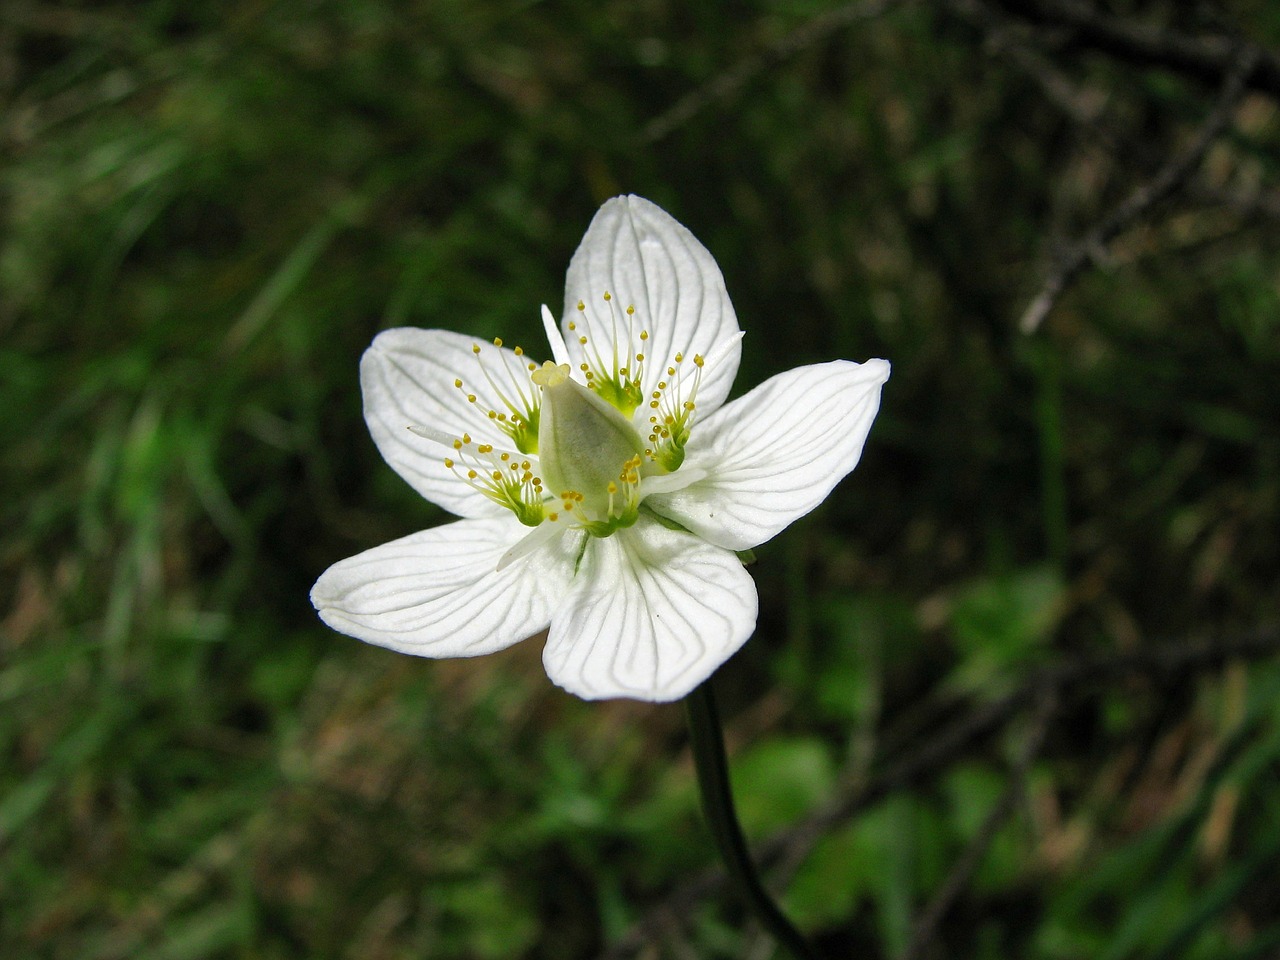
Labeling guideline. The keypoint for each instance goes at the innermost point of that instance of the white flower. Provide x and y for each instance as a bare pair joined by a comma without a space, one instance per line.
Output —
603,493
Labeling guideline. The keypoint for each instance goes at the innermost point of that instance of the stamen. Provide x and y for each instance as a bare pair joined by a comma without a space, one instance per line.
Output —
617,379
506,481
519,420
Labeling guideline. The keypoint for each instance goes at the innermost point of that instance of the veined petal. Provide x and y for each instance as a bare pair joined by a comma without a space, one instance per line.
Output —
653,613
642,256
438,593
408,378
773,455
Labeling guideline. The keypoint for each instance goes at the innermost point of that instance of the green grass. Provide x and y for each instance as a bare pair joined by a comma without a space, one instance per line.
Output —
209,211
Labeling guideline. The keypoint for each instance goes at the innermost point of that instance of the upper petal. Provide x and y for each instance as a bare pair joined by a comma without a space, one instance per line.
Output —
653,612
408,377
773,455
438,593
642,256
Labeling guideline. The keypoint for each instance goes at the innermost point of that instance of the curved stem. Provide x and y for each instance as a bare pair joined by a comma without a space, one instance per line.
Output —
717,806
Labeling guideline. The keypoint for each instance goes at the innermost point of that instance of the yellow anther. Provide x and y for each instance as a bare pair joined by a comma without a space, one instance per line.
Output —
458,384
679,358
497,341
581,306
519,351
448,463
697,360
631,309
644,334
471,474
471,398
475,348
607,296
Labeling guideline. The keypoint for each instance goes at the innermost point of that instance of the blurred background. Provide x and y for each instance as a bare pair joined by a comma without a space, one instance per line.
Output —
1014,691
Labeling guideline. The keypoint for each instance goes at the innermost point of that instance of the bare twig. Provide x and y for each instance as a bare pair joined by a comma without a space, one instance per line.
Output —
727,84
1022,45
1212,58
1166,180
1249,205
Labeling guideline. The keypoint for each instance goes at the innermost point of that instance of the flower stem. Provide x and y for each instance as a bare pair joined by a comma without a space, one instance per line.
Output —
717,806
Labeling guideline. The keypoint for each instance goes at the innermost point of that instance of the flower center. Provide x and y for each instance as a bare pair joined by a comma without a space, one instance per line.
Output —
555,450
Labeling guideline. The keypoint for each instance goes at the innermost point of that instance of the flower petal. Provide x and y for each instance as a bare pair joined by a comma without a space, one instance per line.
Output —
773,455
641,255
653,613
408,379
438,593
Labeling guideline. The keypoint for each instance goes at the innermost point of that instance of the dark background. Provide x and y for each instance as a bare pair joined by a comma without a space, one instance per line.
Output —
1017,674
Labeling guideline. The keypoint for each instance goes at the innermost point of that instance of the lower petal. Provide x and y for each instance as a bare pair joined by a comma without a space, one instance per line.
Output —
438,593
653,613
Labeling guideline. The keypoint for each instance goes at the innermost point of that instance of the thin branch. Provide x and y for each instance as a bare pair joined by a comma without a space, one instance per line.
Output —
1166,180
1211,58
724,86
1250,205
1022,45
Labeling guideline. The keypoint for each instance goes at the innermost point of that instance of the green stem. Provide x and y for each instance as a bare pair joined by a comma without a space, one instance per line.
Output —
717,806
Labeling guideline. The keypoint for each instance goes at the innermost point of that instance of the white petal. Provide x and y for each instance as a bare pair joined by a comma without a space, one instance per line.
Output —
407,377
774,454
641,255
438,593
652,614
